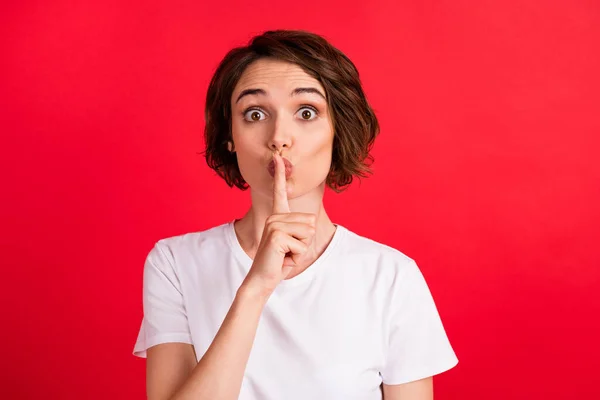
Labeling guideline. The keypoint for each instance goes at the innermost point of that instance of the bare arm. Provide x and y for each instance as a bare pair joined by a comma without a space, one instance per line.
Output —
219,374
416,390
168,365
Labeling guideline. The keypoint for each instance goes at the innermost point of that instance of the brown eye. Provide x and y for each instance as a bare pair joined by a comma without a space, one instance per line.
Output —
308,113
253,115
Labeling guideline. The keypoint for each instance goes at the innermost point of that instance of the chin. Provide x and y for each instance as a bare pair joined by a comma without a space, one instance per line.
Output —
295,191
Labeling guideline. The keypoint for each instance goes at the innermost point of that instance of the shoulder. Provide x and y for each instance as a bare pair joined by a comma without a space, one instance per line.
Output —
385,274
192,239
374,257
359,246
172,249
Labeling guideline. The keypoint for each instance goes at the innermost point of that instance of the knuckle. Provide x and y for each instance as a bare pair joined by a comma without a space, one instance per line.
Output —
276,236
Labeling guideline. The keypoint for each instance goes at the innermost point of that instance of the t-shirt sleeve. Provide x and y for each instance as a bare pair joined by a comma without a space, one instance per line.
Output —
418,346
165,319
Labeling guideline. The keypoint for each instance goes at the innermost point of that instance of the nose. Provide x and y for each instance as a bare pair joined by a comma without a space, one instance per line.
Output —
281,137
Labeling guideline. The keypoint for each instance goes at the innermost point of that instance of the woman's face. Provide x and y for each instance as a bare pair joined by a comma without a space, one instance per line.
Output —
273,114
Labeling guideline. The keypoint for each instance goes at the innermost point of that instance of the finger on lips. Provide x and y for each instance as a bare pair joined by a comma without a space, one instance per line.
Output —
280,200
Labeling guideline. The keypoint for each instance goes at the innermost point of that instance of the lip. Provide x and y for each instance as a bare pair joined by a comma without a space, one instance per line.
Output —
288,168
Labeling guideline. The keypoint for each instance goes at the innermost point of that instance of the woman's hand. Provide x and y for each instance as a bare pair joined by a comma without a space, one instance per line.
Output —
286,237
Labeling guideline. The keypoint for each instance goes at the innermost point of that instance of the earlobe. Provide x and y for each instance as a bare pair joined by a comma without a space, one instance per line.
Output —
230,146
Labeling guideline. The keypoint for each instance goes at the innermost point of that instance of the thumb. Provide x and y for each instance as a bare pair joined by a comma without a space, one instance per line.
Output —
288,261
286,270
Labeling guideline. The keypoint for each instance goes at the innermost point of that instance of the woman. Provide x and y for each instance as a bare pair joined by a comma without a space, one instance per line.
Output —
283,303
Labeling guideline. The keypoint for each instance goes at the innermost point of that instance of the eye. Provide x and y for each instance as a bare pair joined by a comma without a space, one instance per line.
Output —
253,115
308,111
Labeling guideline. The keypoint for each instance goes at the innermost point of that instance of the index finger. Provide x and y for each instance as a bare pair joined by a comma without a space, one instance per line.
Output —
280,199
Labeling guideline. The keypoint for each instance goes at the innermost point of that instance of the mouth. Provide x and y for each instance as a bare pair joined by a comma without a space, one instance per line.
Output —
288,168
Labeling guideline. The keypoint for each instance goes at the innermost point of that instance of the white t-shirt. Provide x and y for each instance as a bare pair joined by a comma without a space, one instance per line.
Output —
360,315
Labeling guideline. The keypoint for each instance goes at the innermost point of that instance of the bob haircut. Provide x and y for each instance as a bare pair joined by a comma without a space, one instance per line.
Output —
354,122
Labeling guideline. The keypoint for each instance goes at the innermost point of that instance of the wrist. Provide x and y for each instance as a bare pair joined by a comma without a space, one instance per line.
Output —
253,292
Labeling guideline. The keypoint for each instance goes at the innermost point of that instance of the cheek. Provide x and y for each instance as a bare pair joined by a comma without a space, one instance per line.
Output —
319,156
325,144
248,154
246,158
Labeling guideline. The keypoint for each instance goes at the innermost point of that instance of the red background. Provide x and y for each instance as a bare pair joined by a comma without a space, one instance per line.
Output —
486,173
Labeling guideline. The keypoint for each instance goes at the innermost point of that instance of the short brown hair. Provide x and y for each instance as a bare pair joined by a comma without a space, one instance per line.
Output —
354,122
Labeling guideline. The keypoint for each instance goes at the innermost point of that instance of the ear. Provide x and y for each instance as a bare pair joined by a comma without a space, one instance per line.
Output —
230,146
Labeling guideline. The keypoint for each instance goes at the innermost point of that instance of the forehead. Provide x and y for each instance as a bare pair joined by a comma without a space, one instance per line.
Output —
274,74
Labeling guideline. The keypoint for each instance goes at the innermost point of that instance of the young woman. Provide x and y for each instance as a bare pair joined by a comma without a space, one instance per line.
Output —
283,303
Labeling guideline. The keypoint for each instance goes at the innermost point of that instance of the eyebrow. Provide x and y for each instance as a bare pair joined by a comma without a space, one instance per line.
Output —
296,91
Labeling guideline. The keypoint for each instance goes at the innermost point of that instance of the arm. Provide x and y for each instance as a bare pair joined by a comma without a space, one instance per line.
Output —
219,374
416,390
168,365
